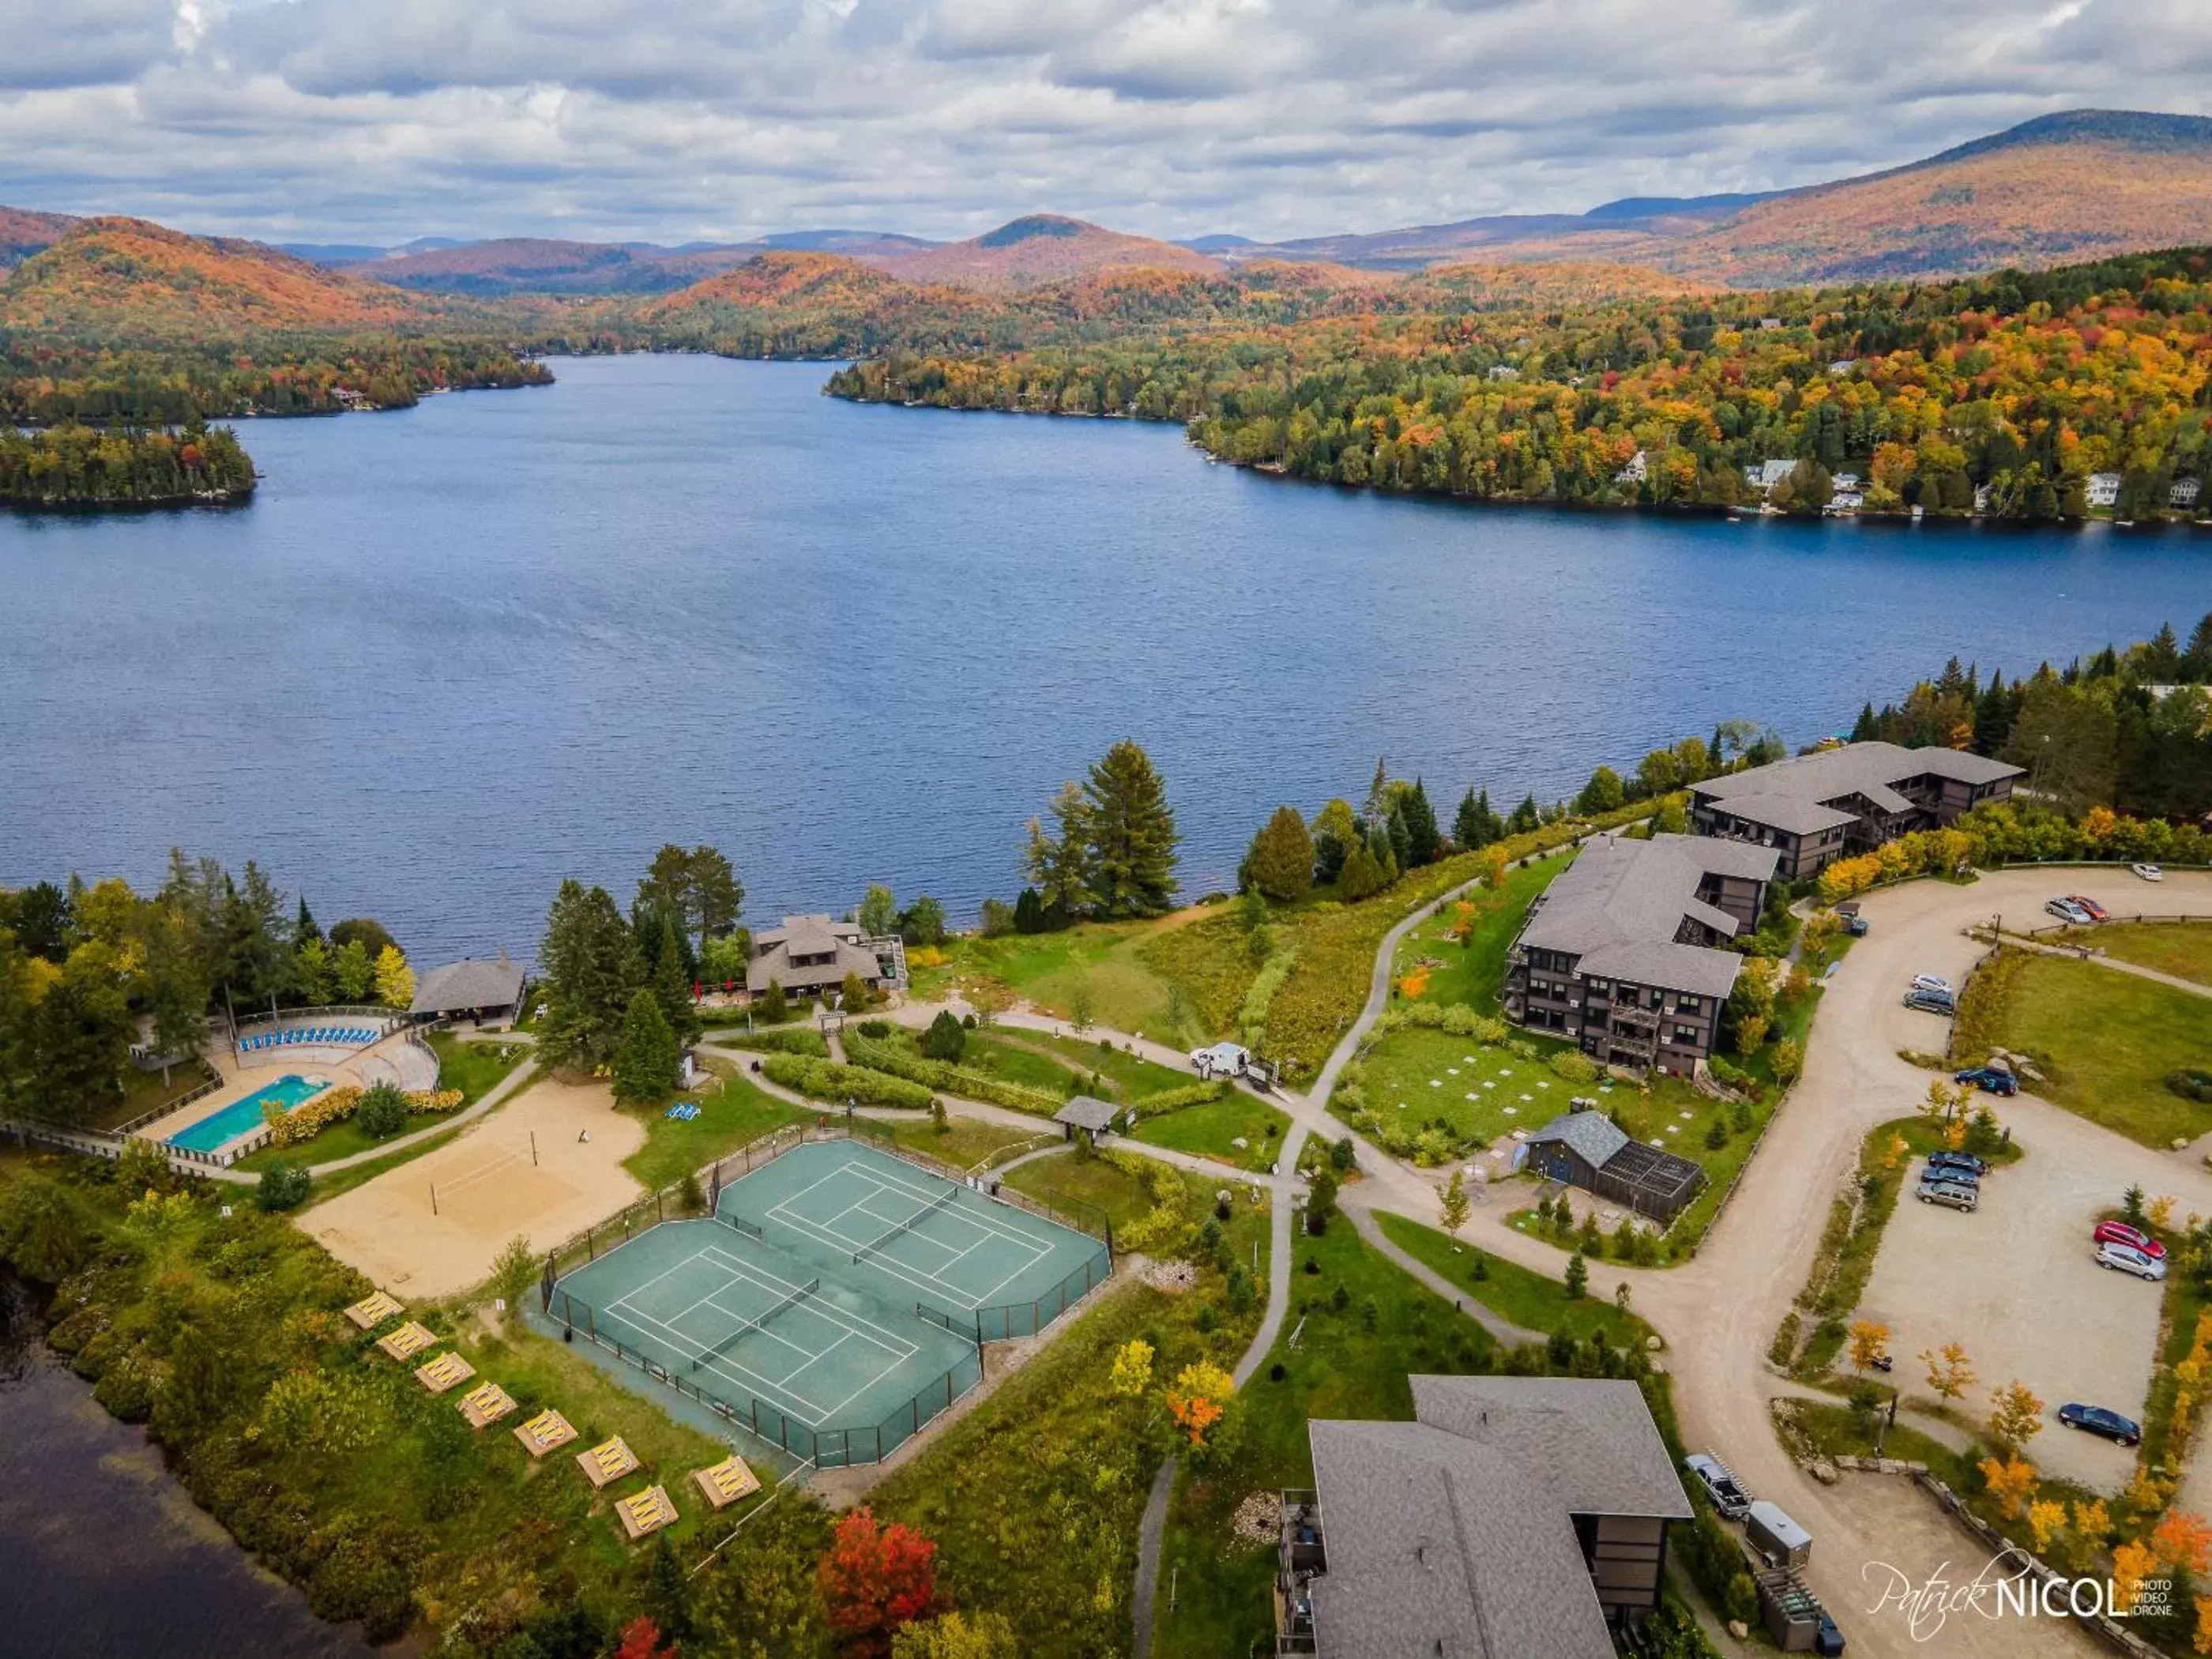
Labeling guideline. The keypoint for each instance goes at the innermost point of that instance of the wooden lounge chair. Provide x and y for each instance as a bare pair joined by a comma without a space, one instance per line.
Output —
547,1431
726,1482
373,1310
447,1371
485,1404
406,1342
606,1463
646,1512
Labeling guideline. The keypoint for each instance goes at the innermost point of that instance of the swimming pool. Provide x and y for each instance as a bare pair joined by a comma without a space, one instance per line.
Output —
242,1116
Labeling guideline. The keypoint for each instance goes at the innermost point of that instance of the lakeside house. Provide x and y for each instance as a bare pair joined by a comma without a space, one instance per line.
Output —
471,988
1513,1515
810,956
1636,471
1627,951
1763,475
2103,488
1814,809
1585,1148
2182,493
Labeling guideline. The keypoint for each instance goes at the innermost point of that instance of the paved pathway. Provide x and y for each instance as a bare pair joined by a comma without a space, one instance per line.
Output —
1512,1335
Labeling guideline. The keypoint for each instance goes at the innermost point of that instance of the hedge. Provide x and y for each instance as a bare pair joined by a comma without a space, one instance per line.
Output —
1991,835
784,1040
950,1079
825,1080
314,1115
1173,1100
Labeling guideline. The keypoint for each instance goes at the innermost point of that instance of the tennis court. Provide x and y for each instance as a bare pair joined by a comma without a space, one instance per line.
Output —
837,1299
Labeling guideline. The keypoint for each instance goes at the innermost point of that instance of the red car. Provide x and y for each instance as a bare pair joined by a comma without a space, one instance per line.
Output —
2118,1232
2097,911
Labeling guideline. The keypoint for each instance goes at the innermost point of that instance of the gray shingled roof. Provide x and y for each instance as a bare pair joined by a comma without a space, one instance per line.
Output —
1592,1442
468,983
1085,1113
1619,906
1790,795
1593,1134
1439,1546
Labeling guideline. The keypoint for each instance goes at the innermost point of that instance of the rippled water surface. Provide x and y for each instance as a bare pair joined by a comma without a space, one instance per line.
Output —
452,654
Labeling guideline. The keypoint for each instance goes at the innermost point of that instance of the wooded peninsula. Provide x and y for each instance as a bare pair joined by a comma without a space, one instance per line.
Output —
74,465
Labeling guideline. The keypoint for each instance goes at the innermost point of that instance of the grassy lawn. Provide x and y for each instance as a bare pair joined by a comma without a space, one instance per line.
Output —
964,1141
1105,959
2183,949
1529,1299
474,1068
1347,1363
144,1092
1417,1080
1474,972
1070,1181
1015,1062
1210,1128
731,1114
1125,1076
2103,1040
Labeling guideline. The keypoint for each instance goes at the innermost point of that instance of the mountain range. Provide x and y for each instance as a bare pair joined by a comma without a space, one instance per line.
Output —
2058,189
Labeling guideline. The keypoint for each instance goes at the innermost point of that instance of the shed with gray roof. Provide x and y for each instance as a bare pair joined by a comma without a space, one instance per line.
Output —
471,987
1094,1117
1587,1149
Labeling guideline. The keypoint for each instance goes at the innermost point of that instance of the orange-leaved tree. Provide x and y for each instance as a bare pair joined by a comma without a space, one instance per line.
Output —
1199,1398
876,1578
1870,1343
2012,1482
2015,1416
641,1639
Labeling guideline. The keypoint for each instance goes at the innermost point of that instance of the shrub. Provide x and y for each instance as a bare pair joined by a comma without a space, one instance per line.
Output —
946,1039
284,1186
887,1059
1569,1066
877,1029
826,1080
2192,1084
382,1113
1173,1100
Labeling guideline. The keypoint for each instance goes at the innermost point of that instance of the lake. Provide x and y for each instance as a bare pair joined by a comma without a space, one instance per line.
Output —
107,1553
451,655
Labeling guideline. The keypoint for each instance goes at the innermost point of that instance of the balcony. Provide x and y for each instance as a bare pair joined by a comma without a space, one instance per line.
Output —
1627,1013
1301,1557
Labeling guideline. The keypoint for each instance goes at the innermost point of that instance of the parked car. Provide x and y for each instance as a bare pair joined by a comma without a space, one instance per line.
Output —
1854,923
2097,911
2066,910
2095,1420
1930,1002
1936,1188
1729,1499
2148,872
2118,1232
2125,1258
1935,982
1990,1079
1957,1164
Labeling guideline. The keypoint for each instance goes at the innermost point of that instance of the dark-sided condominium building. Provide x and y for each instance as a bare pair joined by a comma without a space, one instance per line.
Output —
1840,802
1628,951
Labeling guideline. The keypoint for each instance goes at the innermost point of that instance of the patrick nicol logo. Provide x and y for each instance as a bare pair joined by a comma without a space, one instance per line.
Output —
2005,1588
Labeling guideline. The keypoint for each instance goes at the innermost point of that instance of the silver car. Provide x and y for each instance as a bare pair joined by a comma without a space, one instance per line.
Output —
1935,1189
2125,1258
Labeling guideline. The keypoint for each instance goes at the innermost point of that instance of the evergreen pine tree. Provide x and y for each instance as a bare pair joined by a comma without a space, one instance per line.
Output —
1029,912
1493,827
303,926
592,967
1467,824
1059,863
671,985
1863,729
2161,658
1400,835
1360,874
1424,839
2196,661
1992,716
1280,865
1130,835
645,1059
1524,818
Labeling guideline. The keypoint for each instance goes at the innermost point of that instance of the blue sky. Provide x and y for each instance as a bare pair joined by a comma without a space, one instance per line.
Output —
675,121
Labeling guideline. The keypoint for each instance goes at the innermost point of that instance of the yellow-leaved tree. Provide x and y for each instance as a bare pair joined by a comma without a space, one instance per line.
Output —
1133,1367
1869,1341
1950,1373
2012,1482
395,980
1199,1398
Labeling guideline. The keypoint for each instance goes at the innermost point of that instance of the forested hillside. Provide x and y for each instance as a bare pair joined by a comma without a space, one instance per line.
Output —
74,465
2020,384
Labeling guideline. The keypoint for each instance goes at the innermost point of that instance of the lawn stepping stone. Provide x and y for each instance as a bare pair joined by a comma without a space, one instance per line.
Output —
607,1462
1472,1096
1451,1071
485,1404
1529,1100
726,1482
1436,1082
1466,1059
373,1310
1519,1134
1674,1128
445,1373
407,1341
1489,1083
547,1431
647,1512
1685,1116
1540,1084
1512,1111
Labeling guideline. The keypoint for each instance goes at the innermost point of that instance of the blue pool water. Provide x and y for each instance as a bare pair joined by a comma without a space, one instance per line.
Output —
220,1128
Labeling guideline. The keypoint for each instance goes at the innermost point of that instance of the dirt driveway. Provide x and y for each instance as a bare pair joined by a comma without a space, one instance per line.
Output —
431,1227
2017,1286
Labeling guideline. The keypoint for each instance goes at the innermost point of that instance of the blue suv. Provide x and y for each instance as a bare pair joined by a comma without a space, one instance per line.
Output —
1989,1080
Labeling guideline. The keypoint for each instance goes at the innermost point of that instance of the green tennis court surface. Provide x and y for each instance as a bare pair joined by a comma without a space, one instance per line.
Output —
836,1302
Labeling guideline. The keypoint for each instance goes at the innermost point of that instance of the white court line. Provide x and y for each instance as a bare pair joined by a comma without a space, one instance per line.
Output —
897,1183
916,1275
723,1364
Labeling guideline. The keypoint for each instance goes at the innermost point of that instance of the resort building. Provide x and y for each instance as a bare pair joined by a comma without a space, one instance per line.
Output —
1820,807
810,955
1514,1516
470,989
1626,952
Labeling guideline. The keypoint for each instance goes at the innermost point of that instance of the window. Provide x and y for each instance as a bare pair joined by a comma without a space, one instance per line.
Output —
1687,1004
1687,1036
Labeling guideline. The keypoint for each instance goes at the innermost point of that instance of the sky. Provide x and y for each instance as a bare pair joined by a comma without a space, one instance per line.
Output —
675,121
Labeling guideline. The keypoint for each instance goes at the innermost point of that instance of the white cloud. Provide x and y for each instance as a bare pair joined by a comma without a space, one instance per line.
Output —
678,119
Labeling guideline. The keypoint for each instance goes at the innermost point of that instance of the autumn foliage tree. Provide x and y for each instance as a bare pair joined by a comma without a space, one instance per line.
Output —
641,1639
1869,1342
1198,1400
1950,1373
875,1579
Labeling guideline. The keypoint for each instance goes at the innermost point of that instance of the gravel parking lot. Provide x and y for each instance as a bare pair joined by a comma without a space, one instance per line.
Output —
2017,1284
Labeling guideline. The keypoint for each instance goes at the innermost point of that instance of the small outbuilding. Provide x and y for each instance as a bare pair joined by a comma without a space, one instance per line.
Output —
471,989
1587,1149
1094,1117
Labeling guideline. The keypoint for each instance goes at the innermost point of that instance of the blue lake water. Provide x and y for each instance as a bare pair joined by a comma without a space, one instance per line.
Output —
452,654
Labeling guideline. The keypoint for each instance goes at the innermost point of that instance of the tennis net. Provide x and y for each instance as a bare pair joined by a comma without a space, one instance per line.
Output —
934,1204
738,1224
754,1323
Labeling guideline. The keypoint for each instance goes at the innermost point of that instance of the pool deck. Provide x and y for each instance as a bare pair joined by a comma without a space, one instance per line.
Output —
239,1081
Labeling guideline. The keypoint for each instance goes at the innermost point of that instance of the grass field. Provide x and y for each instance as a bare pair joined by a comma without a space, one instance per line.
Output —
1474,972
1085,1181
1531,1299
475,1068
1349,1362
1125,1076
2183,949
144,1092
965,1141
1418,1078
2104,1041
731,1114
1102,960
1210,1128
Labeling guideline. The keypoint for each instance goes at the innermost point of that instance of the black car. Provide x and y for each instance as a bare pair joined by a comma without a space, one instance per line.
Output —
1957,1165
2095,1420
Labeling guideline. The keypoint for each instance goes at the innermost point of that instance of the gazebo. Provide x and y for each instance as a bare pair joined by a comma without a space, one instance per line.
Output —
1094,1117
